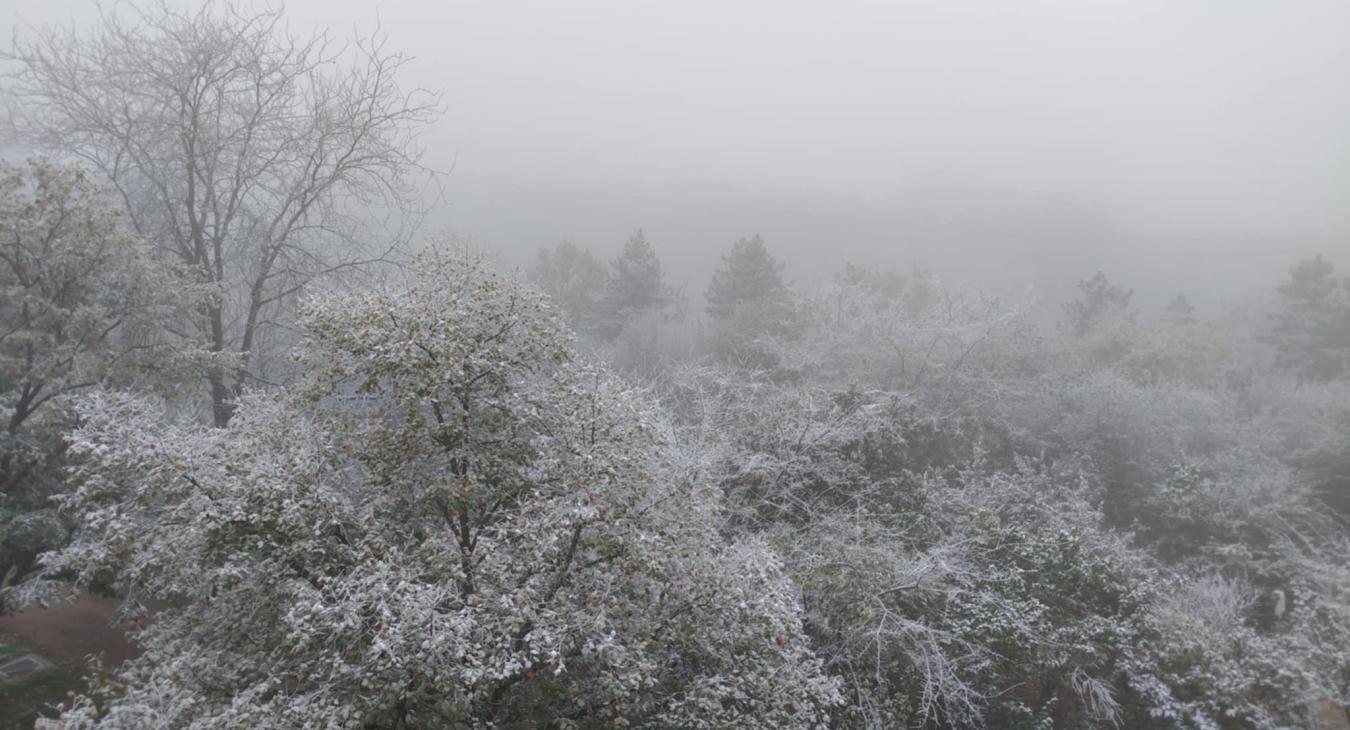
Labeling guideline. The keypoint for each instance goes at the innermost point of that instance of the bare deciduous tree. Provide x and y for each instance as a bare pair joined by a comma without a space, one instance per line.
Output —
255,157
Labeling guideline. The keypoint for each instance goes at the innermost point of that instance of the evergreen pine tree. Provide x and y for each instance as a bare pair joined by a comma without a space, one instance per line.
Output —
750,277
1311,327
573,278
1100,298
636,285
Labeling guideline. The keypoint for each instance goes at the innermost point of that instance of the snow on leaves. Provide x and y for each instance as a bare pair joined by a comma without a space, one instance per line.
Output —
450,522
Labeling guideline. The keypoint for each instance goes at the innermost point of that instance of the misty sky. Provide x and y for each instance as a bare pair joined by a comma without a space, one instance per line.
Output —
1039,137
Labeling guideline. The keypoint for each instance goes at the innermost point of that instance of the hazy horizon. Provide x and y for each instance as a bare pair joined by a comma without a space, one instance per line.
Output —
1149,139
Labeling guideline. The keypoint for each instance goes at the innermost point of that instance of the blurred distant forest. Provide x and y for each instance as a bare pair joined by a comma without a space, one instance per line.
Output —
346,474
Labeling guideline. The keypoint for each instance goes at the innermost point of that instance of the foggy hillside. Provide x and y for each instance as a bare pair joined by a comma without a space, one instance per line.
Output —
996,240
861,365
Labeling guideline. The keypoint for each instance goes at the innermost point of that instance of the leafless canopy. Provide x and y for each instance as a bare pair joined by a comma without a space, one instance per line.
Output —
253,156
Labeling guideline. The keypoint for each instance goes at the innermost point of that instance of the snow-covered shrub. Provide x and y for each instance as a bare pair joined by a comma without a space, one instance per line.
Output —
449,523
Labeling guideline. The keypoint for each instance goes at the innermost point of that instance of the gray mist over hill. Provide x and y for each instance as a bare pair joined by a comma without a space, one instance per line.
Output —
770,365
1198,146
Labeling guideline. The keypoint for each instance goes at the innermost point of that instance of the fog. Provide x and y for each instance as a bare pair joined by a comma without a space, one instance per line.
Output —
763,365
1194,145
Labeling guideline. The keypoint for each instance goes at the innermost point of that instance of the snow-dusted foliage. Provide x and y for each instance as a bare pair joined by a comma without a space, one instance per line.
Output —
82,305
257,157
450,522
996,527
339,487
898,507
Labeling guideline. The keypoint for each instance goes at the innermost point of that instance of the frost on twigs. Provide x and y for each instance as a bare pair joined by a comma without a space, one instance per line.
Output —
449,523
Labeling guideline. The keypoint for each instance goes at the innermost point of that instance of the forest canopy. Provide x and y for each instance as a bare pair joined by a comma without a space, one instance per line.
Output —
342,472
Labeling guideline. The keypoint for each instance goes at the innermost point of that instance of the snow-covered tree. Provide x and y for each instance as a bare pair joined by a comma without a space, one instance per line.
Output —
450,523
988,527
256,158
81,304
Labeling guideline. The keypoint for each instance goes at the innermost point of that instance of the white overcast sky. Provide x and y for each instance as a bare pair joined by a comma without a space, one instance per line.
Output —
1230,114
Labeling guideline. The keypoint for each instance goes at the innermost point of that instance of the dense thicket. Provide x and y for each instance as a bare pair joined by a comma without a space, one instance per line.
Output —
437,497
449,522
997,524
927,512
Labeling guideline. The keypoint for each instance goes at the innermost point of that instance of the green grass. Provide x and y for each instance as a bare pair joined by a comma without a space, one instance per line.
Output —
25,700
